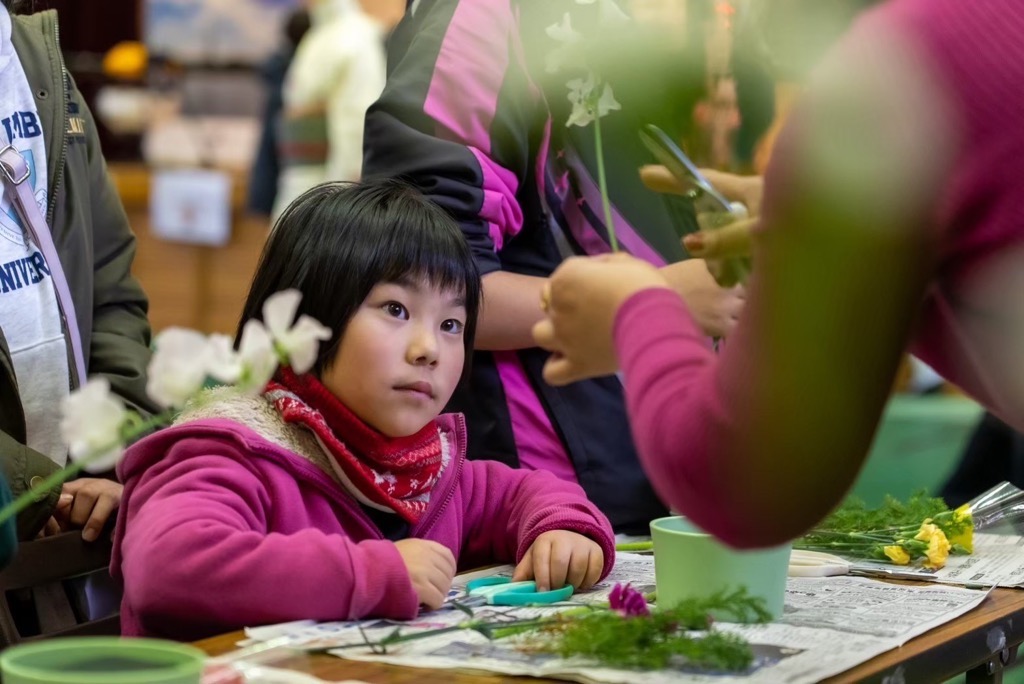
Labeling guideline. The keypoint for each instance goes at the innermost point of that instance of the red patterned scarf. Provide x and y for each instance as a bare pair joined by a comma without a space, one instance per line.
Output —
394,474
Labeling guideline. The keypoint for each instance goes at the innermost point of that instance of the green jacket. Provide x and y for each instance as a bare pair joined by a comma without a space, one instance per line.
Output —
96,248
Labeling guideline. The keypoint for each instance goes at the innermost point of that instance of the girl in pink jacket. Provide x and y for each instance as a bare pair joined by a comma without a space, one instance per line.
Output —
343,493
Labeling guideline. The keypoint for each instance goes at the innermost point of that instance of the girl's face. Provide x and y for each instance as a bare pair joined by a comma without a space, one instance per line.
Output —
401,356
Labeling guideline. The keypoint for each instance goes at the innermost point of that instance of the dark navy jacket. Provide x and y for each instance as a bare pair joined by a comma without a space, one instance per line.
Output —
470,117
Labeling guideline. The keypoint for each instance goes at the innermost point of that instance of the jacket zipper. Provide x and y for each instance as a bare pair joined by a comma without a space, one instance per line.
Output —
63,132
422,529
63,78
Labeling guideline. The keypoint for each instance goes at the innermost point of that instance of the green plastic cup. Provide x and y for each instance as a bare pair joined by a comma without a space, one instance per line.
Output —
102,660
689,563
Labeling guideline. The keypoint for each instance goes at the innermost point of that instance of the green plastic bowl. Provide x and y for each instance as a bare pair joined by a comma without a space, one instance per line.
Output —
102,660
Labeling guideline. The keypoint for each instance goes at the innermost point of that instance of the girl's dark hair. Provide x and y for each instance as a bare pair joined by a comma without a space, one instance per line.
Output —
338,240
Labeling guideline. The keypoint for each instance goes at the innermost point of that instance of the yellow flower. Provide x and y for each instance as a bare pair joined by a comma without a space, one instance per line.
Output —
938,550
963,513
897,554
927,531
962,516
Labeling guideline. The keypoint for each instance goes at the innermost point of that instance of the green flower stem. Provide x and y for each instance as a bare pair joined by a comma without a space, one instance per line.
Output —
491,630
38,492
635,546
838,545
134,427
865,536
602,182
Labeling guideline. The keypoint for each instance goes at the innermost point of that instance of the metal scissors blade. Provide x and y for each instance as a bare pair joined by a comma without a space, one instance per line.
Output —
705,198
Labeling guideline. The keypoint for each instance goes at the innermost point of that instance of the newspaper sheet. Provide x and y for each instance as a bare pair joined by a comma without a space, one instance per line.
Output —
997,561
830,625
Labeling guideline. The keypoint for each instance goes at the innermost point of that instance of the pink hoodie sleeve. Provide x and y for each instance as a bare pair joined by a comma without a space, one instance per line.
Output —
760,442
195,551
507,509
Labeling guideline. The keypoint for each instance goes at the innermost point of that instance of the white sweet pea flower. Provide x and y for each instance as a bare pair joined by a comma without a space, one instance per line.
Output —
586,105
259,360
581,95
91,420
223,363
569,52
300,342
279,311
607,102
178,368
563,32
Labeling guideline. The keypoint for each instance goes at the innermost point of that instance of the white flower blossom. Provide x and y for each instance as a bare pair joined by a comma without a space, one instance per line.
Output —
563,32
256,350
279,311
607,102
223,363
299,342
581,95
178,368
571,49
91,420
569,52
586,105
302,343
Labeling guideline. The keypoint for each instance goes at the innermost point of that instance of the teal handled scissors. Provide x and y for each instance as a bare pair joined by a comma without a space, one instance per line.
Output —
501,591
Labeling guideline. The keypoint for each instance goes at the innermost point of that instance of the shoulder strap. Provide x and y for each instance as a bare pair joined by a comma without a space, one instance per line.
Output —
15,172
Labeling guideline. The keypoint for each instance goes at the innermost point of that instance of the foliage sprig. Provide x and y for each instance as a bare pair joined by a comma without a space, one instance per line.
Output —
683,636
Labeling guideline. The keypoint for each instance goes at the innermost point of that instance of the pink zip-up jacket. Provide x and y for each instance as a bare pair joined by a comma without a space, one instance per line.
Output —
759,443
236,520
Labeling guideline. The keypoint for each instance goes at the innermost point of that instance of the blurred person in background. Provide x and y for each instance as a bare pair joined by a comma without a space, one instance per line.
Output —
891,216
51,343
994,454
783,40
471,116
266,167
755,88
69,306
337,72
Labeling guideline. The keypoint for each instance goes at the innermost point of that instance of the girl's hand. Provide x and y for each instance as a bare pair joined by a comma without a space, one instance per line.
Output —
88,503
561,557
582,298
431,568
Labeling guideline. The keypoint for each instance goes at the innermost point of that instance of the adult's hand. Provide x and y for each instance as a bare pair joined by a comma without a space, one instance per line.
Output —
581,301
726,249
715,308
748,190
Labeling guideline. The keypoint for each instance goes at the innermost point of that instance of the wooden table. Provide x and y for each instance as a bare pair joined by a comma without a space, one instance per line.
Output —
981,643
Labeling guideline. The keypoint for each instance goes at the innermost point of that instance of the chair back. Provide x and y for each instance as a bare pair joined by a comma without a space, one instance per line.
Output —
36,587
